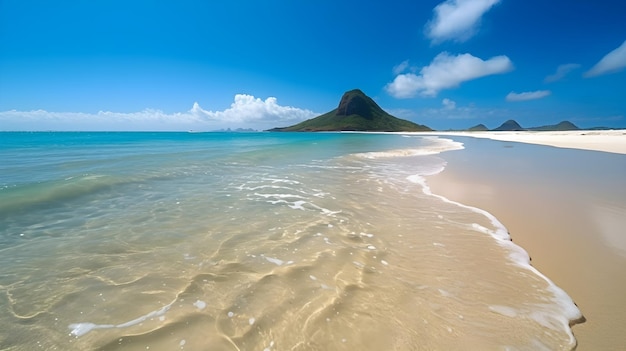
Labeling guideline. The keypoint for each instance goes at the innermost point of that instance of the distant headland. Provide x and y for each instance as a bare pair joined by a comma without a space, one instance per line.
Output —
356,112
513,126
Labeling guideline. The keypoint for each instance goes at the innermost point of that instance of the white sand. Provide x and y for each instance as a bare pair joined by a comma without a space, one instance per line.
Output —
598,140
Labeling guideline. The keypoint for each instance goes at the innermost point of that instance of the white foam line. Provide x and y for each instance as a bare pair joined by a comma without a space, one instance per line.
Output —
275,261
80,329
440,145
522,259
298,205
325,210
277,180
279,196
278,202
255,188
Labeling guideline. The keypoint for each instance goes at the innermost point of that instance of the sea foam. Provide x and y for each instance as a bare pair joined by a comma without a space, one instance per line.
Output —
545,314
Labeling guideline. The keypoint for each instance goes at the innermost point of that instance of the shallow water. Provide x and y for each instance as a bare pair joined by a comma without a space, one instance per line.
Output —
275,241
568,211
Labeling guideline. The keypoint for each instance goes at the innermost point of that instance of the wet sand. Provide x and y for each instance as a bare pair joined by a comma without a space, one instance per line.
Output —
567,208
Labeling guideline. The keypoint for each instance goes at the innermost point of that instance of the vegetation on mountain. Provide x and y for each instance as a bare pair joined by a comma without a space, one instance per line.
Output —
356,112
512,125
509,125
562,126
478,128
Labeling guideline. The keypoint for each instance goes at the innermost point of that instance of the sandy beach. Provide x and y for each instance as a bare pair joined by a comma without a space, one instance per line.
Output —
566,206
613,141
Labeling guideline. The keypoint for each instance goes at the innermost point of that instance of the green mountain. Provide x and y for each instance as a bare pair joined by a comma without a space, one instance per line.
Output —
509,125
356,112
512,125
478,128
565,125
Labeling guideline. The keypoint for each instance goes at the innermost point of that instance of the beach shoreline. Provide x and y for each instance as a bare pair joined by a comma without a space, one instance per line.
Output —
613,140
563,212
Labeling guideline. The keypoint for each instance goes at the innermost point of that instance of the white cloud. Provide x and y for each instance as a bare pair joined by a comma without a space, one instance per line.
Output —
457,19
448,104
245,112
530,95
561,72
445,72
613,62
248,109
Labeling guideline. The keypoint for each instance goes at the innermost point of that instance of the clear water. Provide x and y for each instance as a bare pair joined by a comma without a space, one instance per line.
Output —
254,241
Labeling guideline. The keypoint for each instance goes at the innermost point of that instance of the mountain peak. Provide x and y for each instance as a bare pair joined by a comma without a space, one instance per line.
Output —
510,125
564,125
356,112
355,102
478,128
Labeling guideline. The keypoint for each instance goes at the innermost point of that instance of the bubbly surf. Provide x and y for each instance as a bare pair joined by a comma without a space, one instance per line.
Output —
272,241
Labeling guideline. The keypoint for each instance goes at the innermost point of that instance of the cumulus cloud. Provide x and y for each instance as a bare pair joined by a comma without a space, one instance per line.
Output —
457,19
561,72
445,72
530,95
612,62
448,104
248,109
245,112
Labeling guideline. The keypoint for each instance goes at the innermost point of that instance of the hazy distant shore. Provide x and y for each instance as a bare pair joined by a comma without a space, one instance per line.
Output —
598,140
566,207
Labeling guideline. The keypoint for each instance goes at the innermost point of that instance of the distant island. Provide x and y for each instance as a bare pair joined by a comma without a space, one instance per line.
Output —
513,126
356,112
479,128
565,125
509,125
237,130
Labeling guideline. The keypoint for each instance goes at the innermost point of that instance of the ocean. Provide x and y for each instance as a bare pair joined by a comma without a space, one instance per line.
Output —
256,241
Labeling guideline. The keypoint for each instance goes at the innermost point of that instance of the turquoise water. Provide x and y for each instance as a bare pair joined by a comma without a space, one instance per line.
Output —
255,241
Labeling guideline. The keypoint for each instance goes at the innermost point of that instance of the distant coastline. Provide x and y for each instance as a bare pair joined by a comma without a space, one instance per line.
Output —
613,141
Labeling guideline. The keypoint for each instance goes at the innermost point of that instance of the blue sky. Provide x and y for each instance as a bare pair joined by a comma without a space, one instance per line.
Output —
203,65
